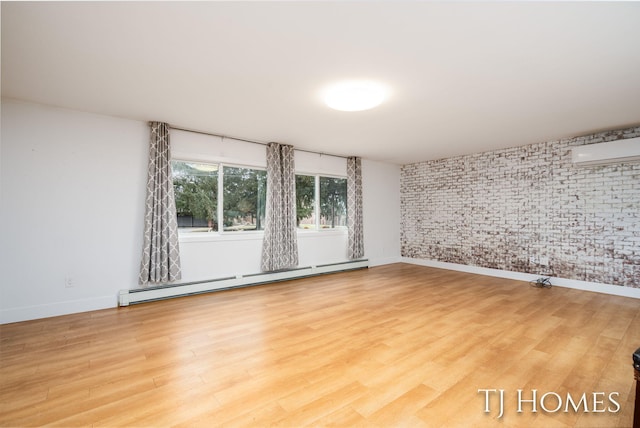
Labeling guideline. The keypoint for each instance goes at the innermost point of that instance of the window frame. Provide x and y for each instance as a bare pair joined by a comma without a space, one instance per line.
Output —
316,205
202,162
221,198
316,194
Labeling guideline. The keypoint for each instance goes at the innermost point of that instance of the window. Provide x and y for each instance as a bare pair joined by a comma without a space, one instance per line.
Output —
220,198
333,202
305,201
244,198
327,195
196,194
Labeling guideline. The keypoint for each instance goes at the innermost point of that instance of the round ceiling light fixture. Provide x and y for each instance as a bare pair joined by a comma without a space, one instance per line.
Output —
354,95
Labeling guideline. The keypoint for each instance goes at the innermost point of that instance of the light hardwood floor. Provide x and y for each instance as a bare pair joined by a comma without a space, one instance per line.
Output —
396,345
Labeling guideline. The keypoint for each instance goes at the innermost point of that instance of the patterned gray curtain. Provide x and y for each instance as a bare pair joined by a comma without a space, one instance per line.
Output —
160,255
280,245
354,208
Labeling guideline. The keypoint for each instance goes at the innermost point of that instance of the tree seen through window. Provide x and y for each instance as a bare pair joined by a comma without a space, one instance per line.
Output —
333,202
305,201
196,195
244,198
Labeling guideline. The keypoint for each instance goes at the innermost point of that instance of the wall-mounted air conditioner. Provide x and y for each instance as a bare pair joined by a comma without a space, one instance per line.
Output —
607,153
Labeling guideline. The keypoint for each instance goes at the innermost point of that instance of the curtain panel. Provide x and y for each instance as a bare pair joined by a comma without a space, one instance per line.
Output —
280,245
160,255
354,208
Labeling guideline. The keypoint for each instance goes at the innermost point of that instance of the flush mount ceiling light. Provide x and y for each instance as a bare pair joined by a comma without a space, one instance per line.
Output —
354,95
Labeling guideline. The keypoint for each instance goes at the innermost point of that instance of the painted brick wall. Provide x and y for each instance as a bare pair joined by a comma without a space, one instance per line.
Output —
527,209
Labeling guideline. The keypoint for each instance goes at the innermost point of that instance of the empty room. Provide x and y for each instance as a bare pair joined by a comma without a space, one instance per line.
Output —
320,213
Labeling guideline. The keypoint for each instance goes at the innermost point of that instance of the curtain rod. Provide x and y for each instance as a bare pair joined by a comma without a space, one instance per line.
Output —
177,128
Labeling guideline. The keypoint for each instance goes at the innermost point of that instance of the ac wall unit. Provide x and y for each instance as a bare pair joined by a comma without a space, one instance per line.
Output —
607,153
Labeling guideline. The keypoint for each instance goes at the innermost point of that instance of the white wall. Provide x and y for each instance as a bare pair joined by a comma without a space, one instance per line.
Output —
381,208
71,205
225,256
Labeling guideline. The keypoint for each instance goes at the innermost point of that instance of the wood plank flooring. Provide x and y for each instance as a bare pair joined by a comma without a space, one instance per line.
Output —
391,346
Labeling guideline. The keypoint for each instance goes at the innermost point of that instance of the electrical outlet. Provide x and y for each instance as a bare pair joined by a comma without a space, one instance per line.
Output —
544,261
532,260
69,281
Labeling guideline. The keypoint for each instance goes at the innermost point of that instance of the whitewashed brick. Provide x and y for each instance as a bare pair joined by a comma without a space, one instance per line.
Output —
499,208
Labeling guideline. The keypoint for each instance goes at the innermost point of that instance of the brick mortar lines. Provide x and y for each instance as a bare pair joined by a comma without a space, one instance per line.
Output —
501,208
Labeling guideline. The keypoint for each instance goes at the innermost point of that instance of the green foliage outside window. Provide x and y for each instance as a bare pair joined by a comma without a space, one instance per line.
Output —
244,196
196,193
305,200
333,202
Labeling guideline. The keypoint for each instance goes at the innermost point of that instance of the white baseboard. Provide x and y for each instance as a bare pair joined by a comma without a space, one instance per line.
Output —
34,312
615,290
384,261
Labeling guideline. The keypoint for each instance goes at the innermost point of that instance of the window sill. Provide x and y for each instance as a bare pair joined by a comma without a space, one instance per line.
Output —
217,236
255,235
304,233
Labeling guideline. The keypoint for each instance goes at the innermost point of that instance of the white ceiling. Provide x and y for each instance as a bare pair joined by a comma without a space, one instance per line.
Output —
465,76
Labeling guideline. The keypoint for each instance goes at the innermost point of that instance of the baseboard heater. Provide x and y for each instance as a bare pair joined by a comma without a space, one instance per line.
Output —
130,297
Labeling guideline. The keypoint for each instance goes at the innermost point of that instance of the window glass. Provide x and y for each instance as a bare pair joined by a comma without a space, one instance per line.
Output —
305,201
195,187
333,202
244,192
244,198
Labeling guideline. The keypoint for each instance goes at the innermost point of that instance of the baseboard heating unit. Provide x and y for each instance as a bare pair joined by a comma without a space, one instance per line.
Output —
141,295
